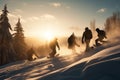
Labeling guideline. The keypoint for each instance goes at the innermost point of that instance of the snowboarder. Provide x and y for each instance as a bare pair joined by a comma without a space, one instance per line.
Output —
86,37
101,36
72,42
30,54
52,46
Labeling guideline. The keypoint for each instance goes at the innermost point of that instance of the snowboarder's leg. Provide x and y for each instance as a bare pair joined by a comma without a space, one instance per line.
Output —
52,54
73,49
87,45
96,41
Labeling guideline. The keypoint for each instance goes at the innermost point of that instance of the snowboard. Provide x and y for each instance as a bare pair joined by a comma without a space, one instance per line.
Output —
100,44
56,55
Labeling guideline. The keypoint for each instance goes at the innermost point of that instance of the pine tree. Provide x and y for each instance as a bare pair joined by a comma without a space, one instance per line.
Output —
7,53
113,23
19,43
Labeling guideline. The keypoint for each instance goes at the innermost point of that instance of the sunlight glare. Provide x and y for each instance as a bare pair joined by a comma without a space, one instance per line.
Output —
48,35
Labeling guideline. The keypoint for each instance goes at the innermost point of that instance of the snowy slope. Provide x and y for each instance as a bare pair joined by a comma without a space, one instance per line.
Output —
104,64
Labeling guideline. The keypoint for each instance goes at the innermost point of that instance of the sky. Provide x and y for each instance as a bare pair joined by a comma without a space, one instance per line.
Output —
40,18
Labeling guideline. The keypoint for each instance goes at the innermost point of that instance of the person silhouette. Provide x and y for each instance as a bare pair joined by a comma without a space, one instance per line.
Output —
72,42
86,37
101,36
53,44
30,54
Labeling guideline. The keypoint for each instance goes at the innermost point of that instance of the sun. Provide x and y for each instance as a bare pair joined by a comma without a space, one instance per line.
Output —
48,35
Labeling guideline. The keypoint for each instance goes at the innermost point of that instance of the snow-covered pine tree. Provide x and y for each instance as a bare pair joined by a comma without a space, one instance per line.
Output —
7,53
19,43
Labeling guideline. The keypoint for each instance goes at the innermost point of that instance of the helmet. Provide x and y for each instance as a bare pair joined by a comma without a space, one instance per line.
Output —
97,29
86,28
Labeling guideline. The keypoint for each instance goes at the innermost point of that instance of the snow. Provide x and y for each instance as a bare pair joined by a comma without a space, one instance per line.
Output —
102,63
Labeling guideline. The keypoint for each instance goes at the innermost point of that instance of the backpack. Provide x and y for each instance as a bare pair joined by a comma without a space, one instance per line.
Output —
102,33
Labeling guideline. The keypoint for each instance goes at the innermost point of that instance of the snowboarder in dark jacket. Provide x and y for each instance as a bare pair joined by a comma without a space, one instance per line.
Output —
101,36
72,42
87,36
52,46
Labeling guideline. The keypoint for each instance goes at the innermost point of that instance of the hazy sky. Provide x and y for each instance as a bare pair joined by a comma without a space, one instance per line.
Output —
60,17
